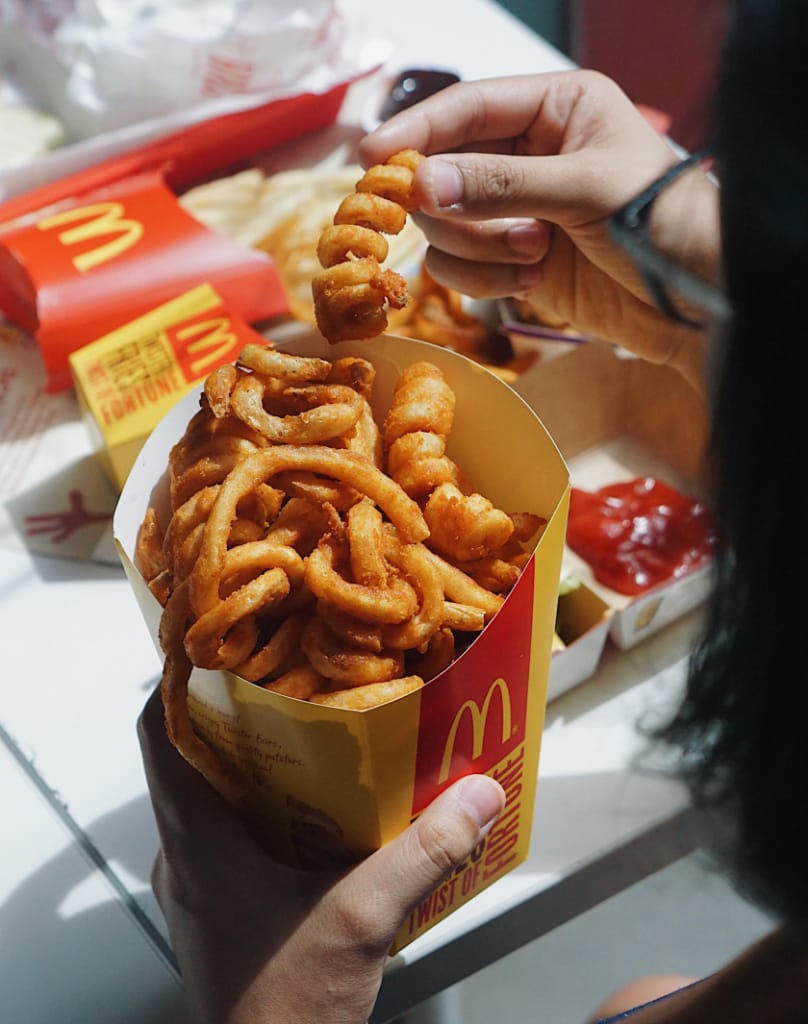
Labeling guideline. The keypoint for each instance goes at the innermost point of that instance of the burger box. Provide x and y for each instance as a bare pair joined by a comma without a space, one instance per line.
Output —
615,417
332,784
582,623
95,249
128,380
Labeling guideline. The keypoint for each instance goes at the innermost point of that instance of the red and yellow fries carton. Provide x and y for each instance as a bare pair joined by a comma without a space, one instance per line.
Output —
333,783
129,379
71,273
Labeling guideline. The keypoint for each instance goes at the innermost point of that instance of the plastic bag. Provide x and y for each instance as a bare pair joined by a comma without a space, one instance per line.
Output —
104,64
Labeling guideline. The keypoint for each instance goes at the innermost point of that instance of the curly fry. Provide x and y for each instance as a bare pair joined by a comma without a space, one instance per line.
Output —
210,448
439,655
218,386
349,299
354,372
391,181
337,411
422,401
300,523
347,665
224,777
465,526
372,212
302,683
274,363
419,570
362,698
276,652
365,438
417,461
149,553
318,491
207,641
459,587
495,574
261,467
462,618
352,293
351,630
341,242
364,532
392,602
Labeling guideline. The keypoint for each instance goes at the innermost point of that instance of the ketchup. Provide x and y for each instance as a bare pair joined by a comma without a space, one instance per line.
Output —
638,534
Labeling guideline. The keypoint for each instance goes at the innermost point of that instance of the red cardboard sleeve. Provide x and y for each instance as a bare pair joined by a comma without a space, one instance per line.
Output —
92,251
85,268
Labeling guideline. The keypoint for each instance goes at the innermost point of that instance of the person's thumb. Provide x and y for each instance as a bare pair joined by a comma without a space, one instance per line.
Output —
405,871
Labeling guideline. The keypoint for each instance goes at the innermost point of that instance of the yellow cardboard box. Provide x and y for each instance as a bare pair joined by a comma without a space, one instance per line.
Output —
129,379
333,783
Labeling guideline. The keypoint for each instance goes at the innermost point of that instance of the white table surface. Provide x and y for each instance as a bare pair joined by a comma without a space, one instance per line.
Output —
81,937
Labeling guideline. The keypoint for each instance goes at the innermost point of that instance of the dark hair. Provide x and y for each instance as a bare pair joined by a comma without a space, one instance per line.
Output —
743,724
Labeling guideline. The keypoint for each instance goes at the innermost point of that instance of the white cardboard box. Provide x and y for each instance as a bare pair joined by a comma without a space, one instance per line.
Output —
582,622
615,417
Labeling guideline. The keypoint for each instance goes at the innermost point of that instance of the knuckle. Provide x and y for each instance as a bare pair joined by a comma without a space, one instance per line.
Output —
179,891
360,924
142,729
476,109
439,845
590,177
595,80
494,182
476,289
157,878
177,887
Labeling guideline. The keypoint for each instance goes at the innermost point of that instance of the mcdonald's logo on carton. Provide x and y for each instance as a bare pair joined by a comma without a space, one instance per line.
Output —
476,718
127,380
103,224
207,340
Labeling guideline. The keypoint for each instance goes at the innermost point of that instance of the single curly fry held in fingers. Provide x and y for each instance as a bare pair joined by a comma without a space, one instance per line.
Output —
352,292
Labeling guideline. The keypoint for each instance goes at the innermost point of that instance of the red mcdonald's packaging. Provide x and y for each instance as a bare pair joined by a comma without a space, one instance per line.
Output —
75,271
332,783
92,250
127,380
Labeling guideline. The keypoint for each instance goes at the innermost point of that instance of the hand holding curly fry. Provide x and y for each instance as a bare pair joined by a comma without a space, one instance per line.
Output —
352,293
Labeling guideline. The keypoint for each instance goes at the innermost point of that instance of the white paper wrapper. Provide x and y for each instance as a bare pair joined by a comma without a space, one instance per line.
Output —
121,73
132,61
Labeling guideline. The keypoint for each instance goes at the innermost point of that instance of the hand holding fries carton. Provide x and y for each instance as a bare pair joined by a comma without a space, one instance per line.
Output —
329,784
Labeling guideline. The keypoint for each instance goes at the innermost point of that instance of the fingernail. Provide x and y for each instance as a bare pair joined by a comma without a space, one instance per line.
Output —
483,798
528,276
527,239
444,181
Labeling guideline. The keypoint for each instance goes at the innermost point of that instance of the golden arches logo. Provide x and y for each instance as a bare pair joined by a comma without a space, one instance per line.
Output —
97,221
211,341
479,720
